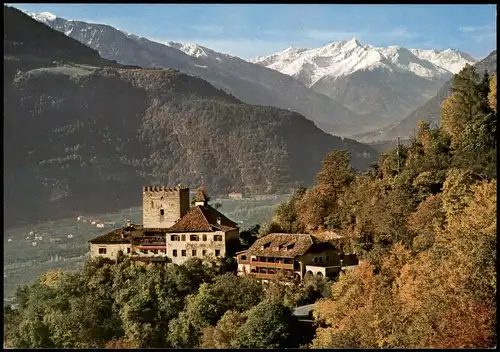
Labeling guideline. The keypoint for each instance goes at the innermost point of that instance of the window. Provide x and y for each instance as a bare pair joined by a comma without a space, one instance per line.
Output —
164,251
290,246
266,245
321,259
315,260
162,212
128,250
217,252
194,238
155,251
218,238
193,252
174,237
174,253
183,252
204,237
327,258
102,250
183,237
243,257
152,204
204,252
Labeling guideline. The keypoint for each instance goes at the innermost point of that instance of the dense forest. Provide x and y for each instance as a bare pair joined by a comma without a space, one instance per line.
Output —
422,220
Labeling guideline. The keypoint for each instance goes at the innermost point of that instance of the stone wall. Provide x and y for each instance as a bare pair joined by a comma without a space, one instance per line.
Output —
162,206
111,250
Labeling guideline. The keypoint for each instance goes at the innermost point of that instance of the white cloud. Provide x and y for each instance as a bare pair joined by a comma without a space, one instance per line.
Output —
480,34
468,29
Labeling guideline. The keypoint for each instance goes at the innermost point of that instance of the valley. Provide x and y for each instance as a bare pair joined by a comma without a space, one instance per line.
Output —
25,262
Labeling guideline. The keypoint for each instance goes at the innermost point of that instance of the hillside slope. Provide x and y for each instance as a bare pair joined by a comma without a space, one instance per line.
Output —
382,84
251,83
428,112
81,136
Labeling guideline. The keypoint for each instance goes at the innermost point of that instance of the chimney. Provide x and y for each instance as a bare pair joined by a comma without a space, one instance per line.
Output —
128,223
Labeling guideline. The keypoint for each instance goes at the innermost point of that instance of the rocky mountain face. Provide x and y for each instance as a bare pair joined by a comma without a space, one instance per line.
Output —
429,112
251,83
85,134
382,84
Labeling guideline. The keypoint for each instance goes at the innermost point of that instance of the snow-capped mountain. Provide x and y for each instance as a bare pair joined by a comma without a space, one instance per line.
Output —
449,59
251,83
386,82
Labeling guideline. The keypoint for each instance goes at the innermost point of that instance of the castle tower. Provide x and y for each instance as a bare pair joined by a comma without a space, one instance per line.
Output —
201,198
163,206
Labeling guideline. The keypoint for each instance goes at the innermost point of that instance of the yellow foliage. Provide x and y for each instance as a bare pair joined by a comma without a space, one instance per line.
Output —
492,96
51,277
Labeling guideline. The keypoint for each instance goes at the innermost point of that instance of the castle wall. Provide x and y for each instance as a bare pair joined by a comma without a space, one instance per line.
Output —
162,206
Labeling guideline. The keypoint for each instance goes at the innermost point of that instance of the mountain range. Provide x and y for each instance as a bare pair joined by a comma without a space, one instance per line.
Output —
384,83
429,112
248,82
82,133
345,87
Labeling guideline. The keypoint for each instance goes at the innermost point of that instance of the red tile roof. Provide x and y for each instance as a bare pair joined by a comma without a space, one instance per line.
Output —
203,219
126,233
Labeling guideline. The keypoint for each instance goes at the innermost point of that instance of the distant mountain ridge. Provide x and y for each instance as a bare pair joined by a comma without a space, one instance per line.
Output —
429,112
82,133
251,83
386,83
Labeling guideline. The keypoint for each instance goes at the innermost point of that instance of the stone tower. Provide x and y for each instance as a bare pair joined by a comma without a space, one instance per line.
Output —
163,206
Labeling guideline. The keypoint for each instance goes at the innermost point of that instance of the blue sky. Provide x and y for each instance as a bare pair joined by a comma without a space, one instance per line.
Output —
249,30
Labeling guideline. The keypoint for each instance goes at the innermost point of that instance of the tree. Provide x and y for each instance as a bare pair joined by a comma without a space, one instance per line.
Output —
249,236
206,307
336,170
270,325
226,333
492,96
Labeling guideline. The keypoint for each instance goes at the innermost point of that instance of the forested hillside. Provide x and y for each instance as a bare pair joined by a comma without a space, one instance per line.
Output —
422,220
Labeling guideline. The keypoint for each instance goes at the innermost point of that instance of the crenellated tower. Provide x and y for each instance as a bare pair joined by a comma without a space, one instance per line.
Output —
163,206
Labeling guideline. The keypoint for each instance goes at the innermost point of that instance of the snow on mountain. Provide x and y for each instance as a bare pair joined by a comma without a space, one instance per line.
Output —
44,17
449,59
251,83
343,58
386,83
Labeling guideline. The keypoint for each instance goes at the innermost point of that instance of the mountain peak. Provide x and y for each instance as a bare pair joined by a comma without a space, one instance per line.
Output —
44,16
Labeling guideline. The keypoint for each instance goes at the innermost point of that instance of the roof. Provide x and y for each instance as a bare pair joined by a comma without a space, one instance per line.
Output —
203,219
125,234
279,245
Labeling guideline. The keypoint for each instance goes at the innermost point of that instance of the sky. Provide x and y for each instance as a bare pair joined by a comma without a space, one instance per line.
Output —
250,30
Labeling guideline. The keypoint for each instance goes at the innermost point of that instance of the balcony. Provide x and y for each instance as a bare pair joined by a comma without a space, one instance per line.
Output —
271,265
266,276
150,246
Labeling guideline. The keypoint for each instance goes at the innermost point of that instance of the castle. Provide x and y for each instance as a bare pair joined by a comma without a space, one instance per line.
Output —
171,229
